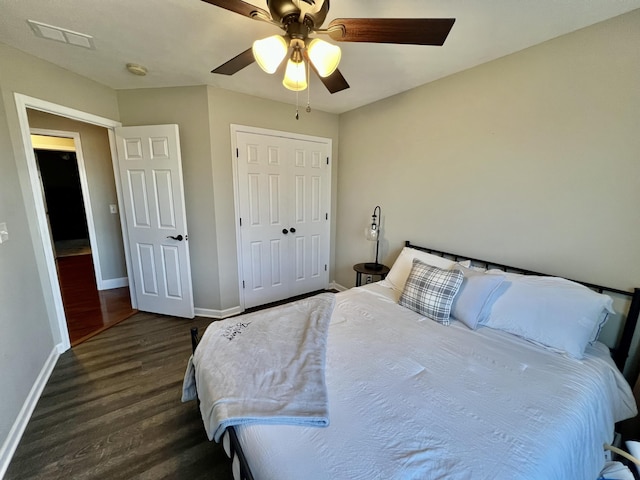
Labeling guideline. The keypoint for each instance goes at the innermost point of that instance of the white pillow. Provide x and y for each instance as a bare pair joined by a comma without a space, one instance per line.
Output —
550,311
401,268
476,296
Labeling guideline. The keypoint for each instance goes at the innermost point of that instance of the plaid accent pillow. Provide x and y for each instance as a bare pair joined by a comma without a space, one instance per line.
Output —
430,291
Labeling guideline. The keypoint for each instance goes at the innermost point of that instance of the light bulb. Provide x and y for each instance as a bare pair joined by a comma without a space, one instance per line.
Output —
295,77
269,52
324,56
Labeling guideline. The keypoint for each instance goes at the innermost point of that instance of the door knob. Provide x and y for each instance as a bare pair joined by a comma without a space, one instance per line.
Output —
178,238
285,231
292,230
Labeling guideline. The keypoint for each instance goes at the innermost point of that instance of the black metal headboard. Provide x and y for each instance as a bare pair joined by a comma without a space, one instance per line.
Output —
620,352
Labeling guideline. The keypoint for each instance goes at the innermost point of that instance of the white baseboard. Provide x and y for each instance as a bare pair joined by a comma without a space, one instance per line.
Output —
113,283
337,286
15,434
219,314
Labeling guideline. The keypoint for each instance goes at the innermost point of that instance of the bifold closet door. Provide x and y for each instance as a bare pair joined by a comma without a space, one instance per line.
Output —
284,196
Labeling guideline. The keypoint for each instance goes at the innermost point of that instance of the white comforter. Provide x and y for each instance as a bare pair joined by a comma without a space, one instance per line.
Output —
412,399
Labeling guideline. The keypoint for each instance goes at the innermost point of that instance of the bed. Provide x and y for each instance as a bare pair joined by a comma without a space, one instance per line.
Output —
473,394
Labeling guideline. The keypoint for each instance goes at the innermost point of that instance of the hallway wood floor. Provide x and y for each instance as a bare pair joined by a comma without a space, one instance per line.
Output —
112,410
88,310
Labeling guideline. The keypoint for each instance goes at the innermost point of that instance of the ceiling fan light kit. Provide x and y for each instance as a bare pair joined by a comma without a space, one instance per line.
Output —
324,56
295,77
269,52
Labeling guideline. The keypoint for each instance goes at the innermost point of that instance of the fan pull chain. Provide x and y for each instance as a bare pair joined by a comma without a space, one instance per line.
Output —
308,87
297,104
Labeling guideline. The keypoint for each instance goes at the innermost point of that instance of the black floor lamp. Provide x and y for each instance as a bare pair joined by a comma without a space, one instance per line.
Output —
373,234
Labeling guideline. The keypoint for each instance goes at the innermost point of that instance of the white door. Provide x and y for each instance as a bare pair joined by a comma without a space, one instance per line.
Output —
153,196
283,187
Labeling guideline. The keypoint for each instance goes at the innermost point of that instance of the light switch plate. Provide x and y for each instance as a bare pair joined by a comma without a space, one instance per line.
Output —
4,233
113,208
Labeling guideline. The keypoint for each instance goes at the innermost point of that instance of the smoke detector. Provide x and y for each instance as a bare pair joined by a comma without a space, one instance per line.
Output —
136,69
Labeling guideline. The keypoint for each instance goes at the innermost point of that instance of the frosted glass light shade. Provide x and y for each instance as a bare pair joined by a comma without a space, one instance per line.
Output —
324,56
269,52
295,77
372,233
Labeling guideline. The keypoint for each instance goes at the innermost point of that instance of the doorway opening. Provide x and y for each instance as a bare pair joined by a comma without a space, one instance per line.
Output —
88,309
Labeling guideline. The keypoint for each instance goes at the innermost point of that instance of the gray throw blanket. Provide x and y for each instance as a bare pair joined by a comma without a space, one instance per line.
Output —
263,367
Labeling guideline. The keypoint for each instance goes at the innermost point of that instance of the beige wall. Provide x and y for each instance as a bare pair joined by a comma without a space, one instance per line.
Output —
204,115
226,108
26,339
532,160
102,188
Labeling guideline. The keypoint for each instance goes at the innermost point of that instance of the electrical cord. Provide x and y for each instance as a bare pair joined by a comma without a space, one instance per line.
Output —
622,453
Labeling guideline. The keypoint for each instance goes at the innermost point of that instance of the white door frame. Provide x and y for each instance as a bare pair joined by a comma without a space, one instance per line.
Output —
235,128
24,102
86,195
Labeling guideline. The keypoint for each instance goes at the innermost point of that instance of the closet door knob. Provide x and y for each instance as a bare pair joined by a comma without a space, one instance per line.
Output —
285,231
178,238
292,230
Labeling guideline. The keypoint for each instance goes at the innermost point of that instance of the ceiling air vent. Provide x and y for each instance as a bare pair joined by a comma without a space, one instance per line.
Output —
61,34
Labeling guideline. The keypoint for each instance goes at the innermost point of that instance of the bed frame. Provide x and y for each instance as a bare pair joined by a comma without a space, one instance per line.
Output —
619,353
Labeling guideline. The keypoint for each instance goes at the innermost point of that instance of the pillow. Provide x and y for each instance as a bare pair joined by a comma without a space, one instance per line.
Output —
401,268
430,291
475,297
598,328
554,312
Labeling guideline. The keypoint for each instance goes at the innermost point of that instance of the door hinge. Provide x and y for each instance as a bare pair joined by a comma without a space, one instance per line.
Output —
327,160
325,267
326,216
240,221
242,283
237,153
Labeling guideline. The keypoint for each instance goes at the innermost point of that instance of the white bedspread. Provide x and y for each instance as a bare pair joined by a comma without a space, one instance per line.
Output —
412,399
266,367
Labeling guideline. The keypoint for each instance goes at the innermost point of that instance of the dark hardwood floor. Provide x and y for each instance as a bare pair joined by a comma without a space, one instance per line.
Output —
112,410
88,310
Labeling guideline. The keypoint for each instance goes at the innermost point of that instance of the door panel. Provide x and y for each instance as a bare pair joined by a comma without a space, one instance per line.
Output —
311,179
260,185
153,197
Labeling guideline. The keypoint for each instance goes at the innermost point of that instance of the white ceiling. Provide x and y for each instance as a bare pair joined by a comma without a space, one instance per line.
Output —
181,41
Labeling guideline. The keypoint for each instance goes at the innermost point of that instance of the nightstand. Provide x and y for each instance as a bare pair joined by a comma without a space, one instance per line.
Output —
361,269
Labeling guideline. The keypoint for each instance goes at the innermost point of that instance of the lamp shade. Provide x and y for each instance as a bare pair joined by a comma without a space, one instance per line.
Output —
295,77
372,233
269,52
324,56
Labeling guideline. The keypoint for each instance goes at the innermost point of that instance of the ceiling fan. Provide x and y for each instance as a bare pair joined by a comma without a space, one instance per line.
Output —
301,18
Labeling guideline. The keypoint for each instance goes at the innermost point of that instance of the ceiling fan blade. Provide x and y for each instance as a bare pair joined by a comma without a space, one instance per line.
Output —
415,31
335,82
236,64
238,6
